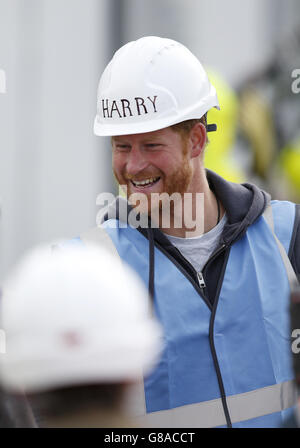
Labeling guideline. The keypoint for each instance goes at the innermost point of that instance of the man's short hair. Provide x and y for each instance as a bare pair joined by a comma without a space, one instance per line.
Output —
184,127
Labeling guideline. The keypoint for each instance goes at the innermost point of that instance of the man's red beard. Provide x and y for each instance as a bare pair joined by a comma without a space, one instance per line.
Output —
177,182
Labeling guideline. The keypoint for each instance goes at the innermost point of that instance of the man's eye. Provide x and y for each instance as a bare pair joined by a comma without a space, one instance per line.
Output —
152,145
122,147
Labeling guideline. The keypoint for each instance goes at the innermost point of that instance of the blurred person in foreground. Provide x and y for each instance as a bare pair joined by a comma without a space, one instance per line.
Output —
219,271
77,340
13,413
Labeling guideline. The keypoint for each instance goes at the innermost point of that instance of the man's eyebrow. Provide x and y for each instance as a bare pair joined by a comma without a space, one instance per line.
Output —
151,139
119,140
154,138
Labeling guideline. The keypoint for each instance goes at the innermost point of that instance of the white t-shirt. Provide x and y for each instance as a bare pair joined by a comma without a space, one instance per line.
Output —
197,250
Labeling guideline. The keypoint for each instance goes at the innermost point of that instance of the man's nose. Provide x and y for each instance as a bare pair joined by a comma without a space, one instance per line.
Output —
136,161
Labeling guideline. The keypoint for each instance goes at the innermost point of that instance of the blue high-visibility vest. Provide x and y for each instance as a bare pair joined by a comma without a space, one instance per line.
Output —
231,362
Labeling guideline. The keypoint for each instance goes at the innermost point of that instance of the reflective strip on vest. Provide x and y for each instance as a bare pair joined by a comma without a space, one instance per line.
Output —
207,414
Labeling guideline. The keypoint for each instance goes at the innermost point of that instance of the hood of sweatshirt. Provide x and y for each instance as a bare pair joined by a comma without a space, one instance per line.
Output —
243,203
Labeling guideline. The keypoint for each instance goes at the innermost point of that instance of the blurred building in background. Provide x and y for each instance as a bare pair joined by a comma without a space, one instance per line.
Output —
52,53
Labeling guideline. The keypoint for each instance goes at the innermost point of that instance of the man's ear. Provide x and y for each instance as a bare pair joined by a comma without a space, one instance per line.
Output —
198,138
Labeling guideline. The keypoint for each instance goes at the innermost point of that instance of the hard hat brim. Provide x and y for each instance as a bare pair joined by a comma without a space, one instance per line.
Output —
110,130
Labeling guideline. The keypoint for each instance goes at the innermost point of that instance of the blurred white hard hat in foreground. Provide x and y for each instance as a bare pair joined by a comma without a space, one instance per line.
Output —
75,316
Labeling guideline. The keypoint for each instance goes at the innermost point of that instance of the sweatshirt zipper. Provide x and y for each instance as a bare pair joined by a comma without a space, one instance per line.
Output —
200,275
200,285
200,288
201,280
211,330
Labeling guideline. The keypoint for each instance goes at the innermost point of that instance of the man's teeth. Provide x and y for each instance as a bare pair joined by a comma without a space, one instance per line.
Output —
146,181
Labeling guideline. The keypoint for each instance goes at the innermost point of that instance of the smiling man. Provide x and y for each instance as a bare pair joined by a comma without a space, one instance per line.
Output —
162,165
221,295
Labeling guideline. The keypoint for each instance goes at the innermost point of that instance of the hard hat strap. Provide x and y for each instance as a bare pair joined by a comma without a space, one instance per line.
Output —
211,127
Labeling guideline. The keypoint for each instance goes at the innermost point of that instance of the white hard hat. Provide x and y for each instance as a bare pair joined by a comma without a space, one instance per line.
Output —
150,84
73,317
